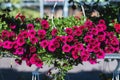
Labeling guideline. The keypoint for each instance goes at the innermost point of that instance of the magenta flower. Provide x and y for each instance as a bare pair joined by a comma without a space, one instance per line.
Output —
92,60
69,38
94,31
100,54
32,32
35,60
109,49
45,24
79,46
41,33
24,34
101,21
7,44
28,62
30,26
19,51
15,45
44,43
69,31
85,55
117,28
12,34
17,16
56,43
74,48
101,37
51,47
101,27
114,41
33,39
20,41
75,55
32,49
88,24
75,27
12,26
58,38
90,48
96,49
54,32
78,32
88,38
63,39
5,34
66,48
82,27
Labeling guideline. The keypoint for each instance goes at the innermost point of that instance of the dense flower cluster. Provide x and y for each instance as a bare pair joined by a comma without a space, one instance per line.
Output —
87,42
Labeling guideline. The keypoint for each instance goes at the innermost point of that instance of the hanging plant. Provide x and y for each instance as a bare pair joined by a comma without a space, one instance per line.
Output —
72,42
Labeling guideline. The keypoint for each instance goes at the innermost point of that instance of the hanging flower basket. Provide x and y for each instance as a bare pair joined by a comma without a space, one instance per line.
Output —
68,42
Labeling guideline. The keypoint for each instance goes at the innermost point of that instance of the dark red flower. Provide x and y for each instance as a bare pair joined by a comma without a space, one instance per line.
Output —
45,24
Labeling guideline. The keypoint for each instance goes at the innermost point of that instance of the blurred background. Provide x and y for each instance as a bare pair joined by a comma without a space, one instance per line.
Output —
39,8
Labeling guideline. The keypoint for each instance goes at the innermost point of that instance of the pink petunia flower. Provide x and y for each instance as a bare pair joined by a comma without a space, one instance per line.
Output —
100,54
44,43
101,37
28,63
32,32
69,31
90,48
101,27
96,48
115,41
54,32
109,49
63,39
101,21
85,55
24,34
51,47
77,32
7,44
20,41
80,46
5,34
93,60
30,26
45,24
66,48
41,33
32,49
94,31
75,55
12,34
12,26
88,24
15,45
33,39
117,28
88,38
35,60
69,38
19,51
